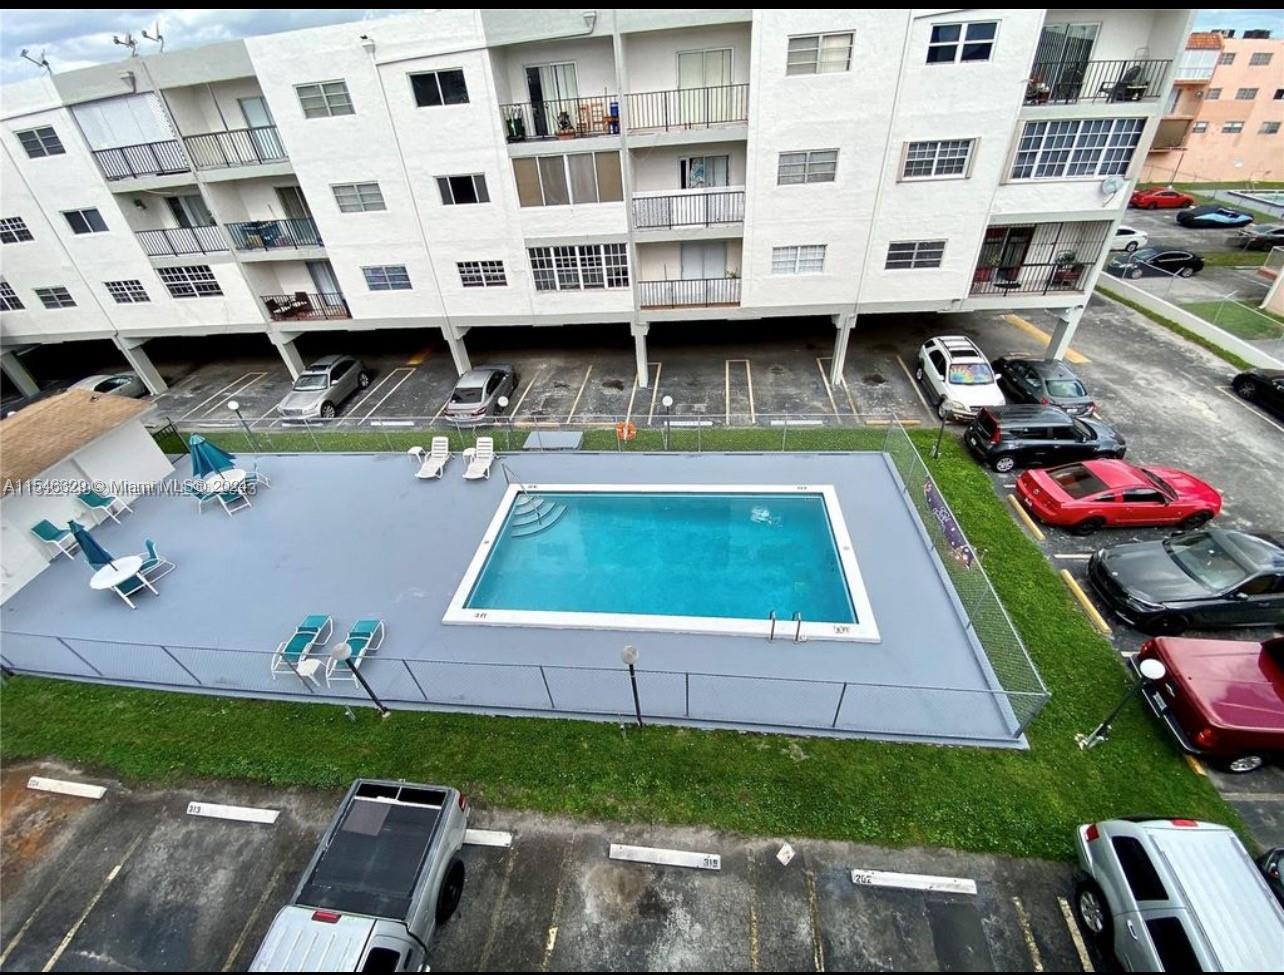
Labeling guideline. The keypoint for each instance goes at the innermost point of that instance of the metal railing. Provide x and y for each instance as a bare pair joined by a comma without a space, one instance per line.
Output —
687,108
561,118
145,159
693,208
302,306
176,241
689,293
1031,278
266,235
236,147
1065,82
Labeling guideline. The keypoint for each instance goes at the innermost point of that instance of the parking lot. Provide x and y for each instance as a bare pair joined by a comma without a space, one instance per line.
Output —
133,882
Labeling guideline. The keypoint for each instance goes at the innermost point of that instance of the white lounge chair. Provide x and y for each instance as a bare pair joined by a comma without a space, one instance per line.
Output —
435,463
479,459
365,637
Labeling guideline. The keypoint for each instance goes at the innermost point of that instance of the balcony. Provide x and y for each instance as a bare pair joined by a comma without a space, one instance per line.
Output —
692,208
304,307
1067,83
687,108
1038,259
145,159
177,241
689,293
236,147
268,235
561,118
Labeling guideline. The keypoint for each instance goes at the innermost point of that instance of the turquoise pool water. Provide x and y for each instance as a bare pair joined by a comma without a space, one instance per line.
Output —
735,556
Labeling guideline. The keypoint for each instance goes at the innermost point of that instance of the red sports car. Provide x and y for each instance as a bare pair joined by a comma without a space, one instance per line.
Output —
1096,494
1160,199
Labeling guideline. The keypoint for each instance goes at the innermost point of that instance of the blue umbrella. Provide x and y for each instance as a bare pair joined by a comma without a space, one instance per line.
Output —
95,553
208,458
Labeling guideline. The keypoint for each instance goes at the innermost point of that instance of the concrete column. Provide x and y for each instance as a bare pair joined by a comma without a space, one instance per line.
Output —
1067,325
17,373
454,337
141,363
844,324
284,342
640,332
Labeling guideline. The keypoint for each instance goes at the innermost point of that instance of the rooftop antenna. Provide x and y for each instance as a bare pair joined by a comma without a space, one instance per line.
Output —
158,38
42,63
128,42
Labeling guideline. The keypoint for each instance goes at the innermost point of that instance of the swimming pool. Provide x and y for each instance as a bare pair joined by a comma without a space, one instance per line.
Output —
699,559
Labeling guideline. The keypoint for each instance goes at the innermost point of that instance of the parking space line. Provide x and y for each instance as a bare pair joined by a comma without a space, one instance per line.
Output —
228,390
1024,920
820,364
111,876
754,949
236,392
1094,614
1249,406
1196,765
1080,948
551,939
753,414
813,913
654,394
574,406
1035,531
352,413
628,414
1016,321
521,399
496,912
254,916
55,888
383,399
914,383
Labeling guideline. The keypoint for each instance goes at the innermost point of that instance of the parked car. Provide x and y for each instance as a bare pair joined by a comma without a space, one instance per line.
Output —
1155,262
1222,699
120,383
1213,577
1007,437
1261,238
477,392
957,377
1160,199
323,387
1128,239
1093,494
1270,863
1175,895
1045,381
1265,387
1212,216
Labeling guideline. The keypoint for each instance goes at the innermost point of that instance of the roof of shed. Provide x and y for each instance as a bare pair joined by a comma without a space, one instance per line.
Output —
36,438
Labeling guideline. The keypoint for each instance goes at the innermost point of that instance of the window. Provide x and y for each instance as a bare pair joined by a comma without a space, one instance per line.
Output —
819,53
949,157
807,259
1245,94
1076,147
912,254
1269,128
193,281
458,190
56,297
1212,94
1140,873
1200,127
13,230
1172,945
1260,59
1279,94
482,274
88,221
358,197
582,177
387,277
583,268
434,88
324,98
1232,128
9,300
812,166
1228,57
127,292
962,42
39,142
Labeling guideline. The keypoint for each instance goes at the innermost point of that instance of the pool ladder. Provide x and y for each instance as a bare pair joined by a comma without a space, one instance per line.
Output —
797,620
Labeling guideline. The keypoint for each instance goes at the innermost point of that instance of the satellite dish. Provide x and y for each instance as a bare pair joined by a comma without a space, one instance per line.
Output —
1111,185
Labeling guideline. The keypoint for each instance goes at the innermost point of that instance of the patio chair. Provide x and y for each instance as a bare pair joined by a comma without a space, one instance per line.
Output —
104,504
435,463
292,655
255,479
155,565
479,459
202,497
60,538
365,637
234,501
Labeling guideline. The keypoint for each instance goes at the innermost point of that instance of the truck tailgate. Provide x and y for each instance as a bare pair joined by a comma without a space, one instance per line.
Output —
297,943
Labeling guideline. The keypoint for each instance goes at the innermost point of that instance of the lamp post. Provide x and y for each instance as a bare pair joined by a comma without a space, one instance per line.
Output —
1151,670
667,403
630,657
343,654
235,407
502,403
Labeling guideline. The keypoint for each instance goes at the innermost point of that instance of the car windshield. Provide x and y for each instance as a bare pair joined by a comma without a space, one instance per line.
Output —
1145,254
1158,482
466,395
1076,480
970,374
311,380
1206,561
1066,388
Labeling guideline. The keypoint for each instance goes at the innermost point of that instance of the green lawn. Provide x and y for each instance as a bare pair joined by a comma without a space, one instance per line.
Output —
1226,356
1239,320
1235,258
1020,803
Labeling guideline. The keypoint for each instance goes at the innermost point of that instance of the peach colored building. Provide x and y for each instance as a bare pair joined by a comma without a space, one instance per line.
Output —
1225,115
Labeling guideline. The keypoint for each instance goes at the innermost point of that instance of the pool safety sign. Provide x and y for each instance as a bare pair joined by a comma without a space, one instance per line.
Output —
953,534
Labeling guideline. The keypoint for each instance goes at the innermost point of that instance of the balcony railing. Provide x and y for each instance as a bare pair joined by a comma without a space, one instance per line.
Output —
302,306
176,241
561,118
694,208
266,235
1065,82
1029,279
687,108
237,147
145,159
693,293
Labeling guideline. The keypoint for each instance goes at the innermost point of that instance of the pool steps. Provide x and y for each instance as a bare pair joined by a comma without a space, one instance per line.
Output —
533,514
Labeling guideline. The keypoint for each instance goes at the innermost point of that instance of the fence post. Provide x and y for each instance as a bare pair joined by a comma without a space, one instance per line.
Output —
307,425
171,656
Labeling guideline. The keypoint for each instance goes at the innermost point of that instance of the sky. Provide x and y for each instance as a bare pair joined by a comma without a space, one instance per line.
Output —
78,38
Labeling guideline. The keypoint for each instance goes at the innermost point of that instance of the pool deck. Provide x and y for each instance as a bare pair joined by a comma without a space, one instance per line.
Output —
356,535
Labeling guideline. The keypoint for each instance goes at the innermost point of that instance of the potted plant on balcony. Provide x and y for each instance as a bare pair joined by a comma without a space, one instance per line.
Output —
565,127
515,126
1068,269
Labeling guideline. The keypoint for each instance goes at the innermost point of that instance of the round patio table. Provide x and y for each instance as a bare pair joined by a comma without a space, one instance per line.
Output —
228,480
116,573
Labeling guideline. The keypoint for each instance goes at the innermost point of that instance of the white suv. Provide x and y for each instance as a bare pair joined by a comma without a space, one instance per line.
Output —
957,376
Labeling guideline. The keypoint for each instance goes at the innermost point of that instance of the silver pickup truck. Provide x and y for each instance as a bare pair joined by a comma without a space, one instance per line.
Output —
386,873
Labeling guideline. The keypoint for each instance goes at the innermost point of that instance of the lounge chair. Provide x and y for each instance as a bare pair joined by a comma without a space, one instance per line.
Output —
202,497
435,463
292,655
60,538
255,479
479,459
155,565
365,636
234,501
104,504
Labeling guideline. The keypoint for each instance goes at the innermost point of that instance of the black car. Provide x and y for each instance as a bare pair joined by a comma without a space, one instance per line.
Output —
1155,262
1007,437
1261,238
1044,381
1212,578
1265,387
1211,216
1270,863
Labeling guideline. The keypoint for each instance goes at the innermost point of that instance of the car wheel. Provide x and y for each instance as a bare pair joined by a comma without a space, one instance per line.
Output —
1198,519
452,890
1186,272
1131,246
1005,463
327,410
1243,763
1244,389
1088,526
1091,911
363,379
1152,205
1134,273
918,373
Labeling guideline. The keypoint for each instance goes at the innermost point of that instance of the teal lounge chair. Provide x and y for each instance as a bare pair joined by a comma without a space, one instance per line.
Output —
104,504
202,497
155,565
365,636
292,655
59,538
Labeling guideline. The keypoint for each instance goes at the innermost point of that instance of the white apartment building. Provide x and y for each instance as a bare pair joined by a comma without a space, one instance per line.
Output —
455,170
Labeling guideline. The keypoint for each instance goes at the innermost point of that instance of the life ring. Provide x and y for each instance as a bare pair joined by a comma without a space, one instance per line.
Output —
626,431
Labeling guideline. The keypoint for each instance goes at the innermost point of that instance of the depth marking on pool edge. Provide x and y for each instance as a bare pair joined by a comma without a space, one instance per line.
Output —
913,881
665,858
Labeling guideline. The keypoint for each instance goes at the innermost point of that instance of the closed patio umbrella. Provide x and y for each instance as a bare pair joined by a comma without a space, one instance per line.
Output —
94,553
208,458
